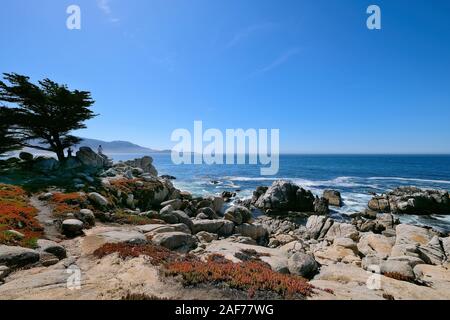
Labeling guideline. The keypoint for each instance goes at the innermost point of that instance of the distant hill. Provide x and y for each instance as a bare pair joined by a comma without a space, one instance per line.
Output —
112,147
117,146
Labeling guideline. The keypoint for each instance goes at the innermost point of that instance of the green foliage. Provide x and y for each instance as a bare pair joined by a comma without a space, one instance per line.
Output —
42,115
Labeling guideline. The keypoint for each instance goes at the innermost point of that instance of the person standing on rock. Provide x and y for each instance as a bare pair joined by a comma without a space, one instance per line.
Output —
69,152
100,150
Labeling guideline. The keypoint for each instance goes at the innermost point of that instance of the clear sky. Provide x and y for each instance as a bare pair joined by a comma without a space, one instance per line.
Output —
308,67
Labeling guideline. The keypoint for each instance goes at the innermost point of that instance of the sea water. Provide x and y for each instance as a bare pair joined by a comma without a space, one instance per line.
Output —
357,177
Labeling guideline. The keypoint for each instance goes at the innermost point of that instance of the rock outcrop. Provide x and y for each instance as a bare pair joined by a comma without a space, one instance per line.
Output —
282,197
410,200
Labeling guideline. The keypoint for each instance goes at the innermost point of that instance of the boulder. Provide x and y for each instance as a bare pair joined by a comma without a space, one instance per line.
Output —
342,230
98,199
183,218
217,204
162,228
333,197
51,247
175,204
206,237
17,257
4,272
321,206
372,244
207,213
408,234
48,259
175,241
334,254
256,232
446,247
228,195
318,226
44,164
284,196
432,252
26,156
87,216
72,227
303,265
411,200
346,243
144,163
238,215
402,268
221,227
90,159
123,236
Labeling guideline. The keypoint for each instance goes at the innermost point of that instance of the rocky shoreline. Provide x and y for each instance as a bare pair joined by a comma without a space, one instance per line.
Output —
130,231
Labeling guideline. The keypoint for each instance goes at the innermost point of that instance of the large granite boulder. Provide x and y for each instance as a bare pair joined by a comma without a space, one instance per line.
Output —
45,164
411,200
284,196
238,214
303,265
90,159
17,256
333,197
255,231
221,227
51,247
175,241
144,163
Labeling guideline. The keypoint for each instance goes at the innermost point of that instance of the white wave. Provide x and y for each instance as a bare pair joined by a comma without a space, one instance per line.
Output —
232,178
409,179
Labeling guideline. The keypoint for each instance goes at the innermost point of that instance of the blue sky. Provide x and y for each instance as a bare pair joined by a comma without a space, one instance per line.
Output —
308,67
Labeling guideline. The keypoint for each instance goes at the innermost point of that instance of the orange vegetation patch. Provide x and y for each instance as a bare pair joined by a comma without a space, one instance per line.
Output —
252,275
16,214
158,255
398,276
64,203
249,275
124,185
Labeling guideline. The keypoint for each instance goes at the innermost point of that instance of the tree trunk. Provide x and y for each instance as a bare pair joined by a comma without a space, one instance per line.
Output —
59,149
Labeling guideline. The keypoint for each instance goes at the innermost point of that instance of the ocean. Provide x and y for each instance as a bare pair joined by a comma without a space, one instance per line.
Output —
357,177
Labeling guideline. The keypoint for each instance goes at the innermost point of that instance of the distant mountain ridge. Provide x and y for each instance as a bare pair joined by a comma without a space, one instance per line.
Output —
116,146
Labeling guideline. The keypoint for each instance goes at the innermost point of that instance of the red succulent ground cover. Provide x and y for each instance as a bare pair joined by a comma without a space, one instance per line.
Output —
124,185
17,214
252,275
64,203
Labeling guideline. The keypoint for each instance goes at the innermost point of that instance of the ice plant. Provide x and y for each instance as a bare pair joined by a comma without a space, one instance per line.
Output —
16,214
